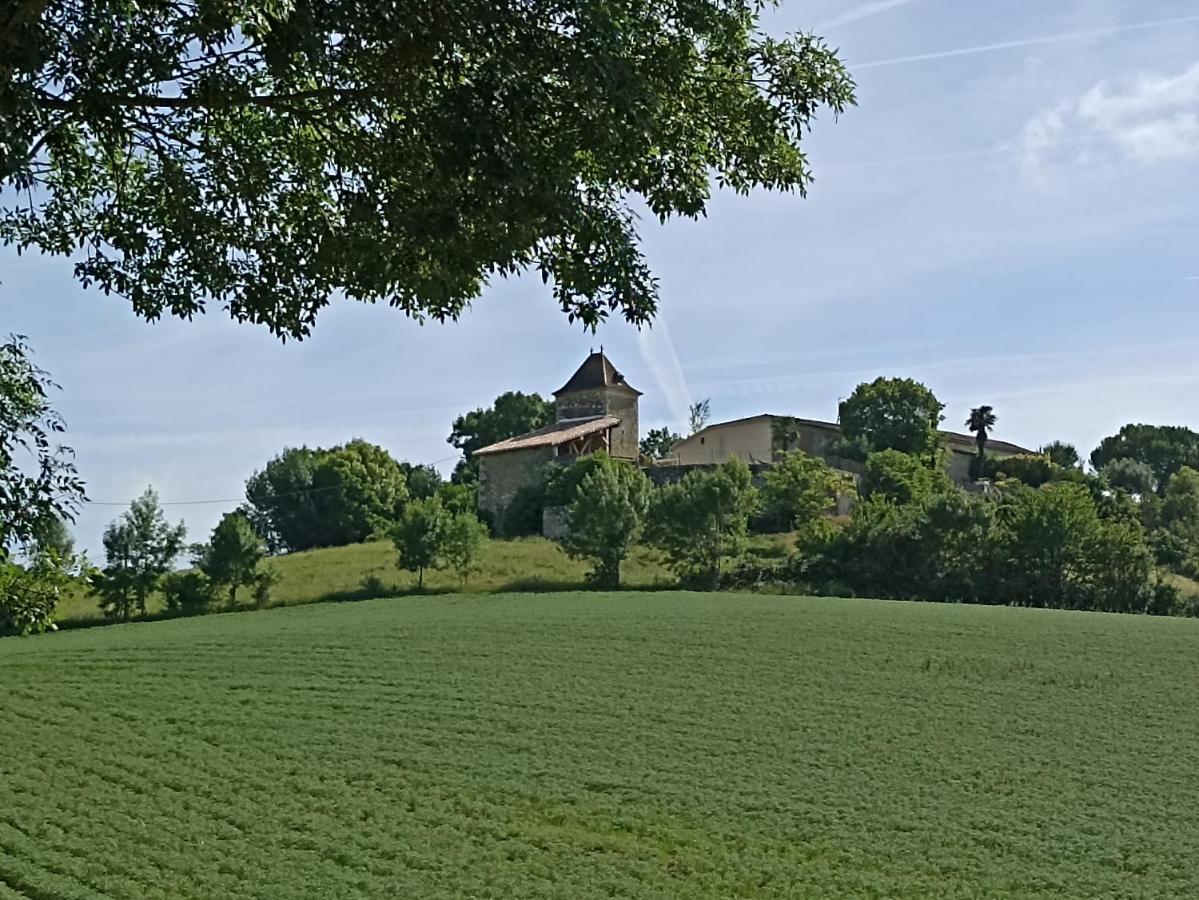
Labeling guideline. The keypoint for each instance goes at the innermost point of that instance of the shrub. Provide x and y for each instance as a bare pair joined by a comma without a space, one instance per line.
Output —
1031,469
522,516
700,523
29,593
901,478
189,593
800,490
1129,475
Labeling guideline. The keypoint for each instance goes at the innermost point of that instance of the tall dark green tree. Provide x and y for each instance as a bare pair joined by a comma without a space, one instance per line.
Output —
982,419
1163,448
511,414
230,558
700,523
265,156
606,517
1062,454
139,548
659,442
305,498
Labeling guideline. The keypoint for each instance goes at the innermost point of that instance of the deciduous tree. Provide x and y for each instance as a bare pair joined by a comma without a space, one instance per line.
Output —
700,523
139,549
463,542
230,558
606,518
306,498
892,414
419,537
511,414
800,490
901,478
38,480
1164,448
266,156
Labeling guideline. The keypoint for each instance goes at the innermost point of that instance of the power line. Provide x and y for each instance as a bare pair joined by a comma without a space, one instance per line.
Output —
332,487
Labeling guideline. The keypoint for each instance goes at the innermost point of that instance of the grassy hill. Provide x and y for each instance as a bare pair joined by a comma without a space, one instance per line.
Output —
586,745
364,570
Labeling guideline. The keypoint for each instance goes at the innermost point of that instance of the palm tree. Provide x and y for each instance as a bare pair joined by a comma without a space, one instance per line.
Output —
981,421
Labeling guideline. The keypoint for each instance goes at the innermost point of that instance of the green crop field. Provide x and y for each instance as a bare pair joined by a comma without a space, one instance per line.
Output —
591,745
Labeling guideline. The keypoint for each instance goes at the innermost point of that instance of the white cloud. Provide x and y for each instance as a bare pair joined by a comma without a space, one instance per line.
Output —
1152,119
858,13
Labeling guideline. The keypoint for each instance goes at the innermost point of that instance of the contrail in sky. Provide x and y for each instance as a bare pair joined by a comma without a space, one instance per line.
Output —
659,355
865,11
1026,42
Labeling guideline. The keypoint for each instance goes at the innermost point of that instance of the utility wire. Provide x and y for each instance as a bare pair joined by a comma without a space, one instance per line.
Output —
332,487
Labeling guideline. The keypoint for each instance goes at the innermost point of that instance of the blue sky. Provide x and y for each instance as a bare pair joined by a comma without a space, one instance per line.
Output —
1011,215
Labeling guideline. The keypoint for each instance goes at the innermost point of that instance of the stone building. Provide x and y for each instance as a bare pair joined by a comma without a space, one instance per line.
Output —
758,438
595,410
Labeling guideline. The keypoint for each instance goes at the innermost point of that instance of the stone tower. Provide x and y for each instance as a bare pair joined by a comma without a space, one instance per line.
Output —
597,389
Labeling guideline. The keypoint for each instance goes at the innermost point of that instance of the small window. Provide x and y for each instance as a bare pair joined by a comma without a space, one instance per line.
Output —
701,440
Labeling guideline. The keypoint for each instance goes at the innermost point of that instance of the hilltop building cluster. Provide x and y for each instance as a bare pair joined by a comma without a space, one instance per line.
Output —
597,409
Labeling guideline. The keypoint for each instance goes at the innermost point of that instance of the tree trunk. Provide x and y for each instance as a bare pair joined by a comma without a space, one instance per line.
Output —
420,578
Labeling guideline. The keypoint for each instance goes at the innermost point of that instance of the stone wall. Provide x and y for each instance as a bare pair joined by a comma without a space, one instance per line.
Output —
555,522
582,404
501,475
625,441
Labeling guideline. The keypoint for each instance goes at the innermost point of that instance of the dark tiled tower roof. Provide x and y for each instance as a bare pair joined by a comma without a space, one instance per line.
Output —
596,372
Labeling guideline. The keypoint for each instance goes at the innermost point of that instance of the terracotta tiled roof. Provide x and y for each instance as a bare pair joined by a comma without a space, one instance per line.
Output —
553,435
957,441
597,371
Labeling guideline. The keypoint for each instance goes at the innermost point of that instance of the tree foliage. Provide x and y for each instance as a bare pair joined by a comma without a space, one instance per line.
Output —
1032,469
266,156
30,590
511,414
800,490
700,523
190,593
699,414
305,498
139,548
901,478
606,517
1050,546
1175,534
230,558
1062,454
462,543
1130,475
419,536
423,481
38,480
892,414
982,419
1164,448
659,443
